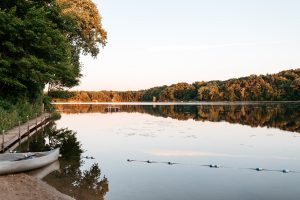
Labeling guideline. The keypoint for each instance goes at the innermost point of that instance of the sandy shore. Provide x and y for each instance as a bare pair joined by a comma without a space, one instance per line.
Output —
25,187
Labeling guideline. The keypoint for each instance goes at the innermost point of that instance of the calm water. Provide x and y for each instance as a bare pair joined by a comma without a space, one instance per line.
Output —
240,138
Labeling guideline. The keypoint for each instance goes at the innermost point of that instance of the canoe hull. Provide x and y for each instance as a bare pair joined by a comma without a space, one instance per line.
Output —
9,167
40,173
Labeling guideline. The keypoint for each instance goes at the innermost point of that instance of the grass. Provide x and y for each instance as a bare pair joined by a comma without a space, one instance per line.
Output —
11,114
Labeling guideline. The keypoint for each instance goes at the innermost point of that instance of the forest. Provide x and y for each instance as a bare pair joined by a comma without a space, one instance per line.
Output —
282,86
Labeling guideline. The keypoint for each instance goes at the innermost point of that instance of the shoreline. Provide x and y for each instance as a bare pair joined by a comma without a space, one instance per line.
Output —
23,186
177,103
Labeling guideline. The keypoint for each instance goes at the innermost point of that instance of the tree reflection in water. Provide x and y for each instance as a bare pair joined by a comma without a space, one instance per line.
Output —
70,179
284,116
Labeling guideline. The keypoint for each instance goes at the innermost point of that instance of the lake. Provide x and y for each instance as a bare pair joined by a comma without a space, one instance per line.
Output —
190,151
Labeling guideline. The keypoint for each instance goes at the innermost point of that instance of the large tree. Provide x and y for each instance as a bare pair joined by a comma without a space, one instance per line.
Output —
40,43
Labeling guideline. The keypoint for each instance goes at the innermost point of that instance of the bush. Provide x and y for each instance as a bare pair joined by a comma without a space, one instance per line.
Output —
61,94
11,114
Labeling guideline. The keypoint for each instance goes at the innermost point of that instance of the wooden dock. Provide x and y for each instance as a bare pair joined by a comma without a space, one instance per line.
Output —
12,138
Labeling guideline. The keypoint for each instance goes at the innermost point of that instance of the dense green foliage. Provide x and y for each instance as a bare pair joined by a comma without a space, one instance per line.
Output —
39,45
283,86
34,50
62,94
11,114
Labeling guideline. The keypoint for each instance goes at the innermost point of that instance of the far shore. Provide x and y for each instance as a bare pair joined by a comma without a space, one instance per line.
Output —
179,103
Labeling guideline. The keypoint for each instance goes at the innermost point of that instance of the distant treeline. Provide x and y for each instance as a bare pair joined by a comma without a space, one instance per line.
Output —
283,86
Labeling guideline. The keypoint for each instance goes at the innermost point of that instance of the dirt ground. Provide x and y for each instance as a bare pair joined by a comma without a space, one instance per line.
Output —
25,187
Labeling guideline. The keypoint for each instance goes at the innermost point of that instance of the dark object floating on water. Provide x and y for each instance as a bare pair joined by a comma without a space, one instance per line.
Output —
285,171
20,162
172,163
89,157
147,161
214,166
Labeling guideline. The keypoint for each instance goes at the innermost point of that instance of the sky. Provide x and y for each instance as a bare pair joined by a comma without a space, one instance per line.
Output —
162,42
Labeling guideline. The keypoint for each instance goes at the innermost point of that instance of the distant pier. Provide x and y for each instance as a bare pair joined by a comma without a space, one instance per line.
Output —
112,109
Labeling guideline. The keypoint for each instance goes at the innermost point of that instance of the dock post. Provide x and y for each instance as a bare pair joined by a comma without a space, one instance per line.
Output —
28,143
44,124
3,141
19,131
27,124
36,123
19,135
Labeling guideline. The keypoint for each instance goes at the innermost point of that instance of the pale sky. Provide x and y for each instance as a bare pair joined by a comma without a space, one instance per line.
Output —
161,42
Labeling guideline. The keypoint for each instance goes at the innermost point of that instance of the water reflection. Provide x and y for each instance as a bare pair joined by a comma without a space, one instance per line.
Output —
69,179
284,116
211,160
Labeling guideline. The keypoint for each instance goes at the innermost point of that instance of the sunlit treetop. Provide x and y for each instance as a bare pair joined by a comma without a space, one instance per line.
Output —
90,31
